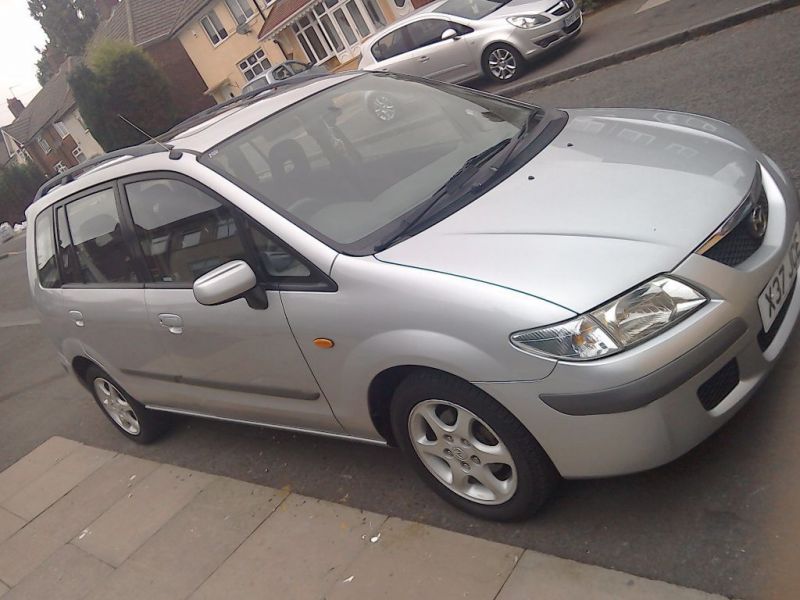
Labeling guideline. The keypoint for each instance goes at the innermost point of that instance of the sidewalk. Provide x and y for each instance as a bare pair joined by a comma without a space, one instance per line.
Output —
79,522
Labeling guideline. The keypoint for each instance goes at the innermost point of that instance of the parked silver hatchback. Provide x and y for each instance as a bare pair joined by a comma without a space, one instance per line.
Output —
508,293
458,40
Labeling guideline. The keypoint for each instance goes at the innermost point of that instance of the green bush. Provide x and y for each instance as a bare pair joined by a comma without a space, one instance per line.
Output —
18,186
120,80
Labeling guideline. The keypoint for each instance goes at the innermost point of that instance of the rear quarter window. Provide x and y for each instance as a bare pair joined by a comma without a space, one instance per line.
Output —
46,266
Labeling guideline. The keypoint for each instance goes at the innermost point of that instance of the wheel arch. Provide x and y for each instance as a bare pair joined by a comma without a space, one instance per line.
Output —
80,366
381,390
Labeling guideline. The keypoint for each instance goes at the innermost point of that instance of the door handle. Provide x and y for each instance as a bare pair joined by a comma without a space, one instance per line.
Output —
77,316
424,59
172,322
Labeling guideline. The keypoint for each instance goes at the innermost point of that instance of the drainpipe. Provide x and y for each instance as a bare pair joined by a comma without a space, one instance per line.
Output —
260,10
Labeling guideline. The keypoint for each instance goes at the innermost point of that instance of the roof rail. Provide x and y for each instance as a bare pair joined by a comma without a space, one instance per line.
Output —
71,174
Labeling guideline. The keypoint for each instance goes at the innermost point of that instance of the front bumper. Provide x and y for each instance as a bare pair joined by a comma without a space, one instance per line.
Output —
533,41
640,409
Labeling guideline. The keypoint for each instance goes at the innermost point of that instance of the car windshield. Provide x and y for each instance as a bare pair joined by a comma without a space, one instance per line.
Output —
350,163
471,9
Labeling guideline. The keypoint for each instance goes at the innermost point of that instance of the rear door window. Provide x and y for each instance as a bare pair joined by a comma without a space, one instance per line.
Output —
46,265
102,254
70,271
392,44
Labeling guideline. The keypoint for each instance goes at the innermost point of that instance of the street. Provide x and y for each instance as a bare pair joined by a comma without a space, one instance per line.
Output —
716,519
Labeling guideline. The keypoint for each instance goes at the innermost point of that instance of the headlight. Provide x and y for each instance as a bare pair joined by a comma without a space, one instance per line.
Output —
631,319
528,21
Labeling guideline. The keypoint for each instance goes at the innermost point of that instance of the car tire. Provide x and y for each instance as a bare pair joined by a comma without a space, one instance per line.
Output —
502,63
425,410
130,417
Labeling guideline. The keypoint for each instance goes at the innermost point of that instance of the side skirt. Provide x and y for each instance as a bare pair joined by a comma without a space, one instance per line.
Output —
338,436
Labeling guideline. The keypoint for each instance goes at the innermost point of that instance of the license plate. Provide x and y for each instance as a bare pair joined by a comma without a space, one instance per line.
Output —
774,295
570,19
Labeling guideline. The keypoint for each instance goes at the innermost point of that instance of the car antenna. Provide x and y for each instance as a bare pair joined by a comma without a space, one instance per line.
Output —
143,132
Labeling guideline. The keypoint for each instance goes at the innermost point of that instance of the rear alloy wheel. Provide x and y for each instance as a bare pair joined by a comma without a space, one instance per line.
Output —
469,448
131,417
502,63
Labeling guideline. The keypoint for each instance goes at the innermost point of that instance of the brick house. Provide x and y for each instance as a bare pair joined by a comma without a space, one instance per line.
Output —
148,24
50,129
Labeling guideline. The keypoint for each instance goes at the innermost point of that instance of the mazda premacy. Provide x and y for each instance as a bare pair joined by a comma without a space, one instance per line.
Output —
510,294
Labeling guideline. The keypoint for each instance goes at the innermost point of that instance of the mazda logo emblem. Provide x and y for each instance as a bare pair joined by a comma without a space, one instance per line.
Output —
759,217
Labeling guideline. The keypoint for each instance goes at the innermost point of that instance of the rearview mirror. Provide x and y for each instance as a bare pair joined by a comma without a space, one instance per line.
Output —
449,34
234,279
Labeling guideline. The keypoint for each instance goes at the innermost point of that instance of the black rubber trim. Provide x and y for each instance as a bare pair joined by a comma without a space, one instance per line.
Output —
232,387
649,388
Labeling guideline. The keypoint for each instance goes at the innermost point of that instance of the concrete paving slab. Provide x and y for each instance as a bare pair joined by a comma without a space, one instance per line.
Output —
65,519
33,465
131,521
9,524
194,543
411,560
3,588
67,575
560,579
298,552
54,483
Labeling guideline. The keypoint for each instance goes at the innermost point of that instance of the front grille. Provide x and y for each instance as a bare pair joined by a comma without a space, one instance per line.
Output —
741,240
561,8
719,385
765,338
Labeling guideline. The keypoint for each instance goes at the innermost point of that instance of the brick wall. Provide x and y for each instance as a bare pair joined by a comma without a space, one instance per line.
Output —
185,82
60,151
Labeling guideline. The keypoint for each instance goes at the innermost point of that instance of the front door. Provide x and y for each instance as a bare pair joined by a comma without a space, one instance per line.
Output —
443,60
230,360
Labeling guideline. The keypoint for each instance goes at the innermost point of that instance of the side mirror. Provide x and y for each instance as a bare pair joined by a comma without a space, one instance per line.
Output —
449,34
234,279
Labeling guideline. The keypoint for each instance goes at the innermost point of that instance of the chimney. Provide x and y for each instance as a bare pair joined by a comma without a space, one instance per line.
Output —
15,105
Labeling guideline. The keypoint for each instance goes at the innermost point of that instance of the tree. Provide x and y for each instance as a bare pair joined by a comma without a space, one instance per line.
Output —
18,186
121,80
68,23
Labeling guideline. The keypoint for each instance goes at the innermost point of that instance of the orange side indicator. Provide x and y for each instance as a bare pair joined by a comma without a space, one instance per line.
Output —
323,343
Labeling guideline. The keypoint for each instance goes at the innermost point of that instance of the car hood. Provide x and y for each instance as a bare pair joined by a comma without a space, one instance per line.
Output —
619,196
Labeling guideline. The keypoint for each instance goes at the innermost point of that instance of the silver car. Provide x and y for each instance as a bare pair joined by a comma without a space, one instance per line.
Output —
508,293
282,72
458,40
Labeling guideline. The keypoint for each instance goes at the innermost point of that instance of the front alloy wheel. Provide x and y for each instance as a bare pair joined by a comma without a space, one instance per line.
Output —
462,451
469,448
503,63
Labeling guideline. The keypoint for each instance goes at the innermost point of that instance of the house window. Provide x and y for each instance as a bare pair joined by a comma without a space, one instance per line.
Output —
61,129
216,32
254,65
43,144
241,10
60,167
337,27
78,154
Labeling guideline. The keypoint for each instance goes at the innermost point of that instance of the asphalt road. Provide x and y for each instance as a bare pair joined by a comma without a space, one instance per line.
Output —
724,518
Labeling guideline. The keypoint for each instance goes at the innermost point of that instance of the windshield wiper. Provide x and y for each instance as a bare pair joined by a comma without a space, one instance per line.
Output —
467,171
504,158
